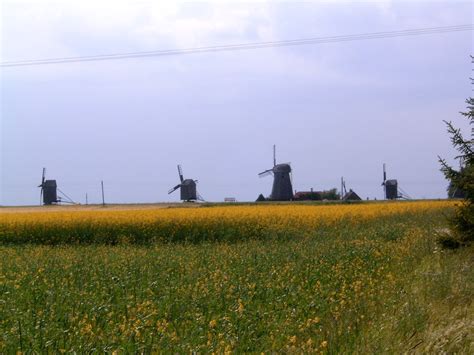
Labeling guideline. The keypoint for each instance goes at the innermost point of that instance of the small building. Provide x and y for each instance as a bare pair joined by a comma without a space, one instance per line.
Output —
351,196
260,198
308,196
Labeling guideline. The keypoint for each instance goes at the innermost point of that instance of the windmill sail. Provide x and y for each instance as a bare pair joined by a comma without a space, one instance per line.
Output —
174,189
42,186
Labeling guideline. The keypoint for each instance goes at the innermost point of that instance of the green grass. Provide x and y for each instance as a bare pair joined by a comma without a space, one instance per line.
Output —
377,286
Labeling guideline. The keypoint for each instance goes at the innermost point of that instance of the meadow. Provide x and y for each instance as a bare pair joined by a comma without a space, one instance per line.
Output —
314,278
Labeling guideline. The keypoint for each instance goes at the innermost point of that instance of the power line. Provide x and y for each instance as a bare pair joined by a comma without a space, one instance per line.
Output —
244,46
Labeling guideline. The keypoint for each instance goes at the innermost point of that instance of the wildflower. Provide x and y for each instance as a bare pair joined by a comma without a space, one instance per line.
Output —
241,306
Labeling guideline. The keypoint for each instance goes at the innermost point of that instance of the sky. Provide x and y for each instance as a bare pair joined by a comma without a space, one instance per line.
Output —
334,109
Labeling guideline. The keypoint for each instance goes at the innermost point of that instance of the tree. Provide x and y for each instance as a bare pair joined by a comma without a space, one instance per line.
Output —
462,223
330,195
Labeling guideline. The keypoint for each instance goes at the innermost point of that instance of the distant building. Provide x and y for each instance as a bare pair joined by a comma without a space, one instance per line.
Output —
308,196
351,196
260,198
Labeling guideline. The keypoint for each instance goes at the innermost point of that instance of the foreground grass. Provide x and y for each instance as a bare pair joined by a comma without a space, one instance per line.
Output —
379,284
434,313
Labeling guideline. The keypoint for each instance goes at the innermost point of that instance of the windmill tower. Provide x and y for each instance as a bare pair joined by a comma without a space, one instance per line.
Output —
48,194
282,189
187,188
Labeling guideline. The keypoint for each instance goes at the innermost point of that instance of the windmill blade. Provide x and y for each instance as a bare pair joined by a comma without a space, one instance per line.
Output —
42,178
174,189
42,185
265,173
180,172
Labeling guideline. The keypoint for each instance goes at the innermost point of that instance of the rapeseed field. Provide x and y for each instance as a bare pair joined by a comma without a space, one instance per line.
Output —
221,223
233,279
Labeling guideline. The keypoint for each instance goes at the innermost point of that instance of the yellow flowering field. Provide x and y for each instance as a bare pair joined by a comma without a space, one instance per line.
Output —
224,279
220,223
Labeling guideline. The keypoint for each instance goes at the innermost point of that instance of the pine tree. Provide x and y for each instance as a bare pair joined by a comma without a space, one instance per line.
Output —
462,223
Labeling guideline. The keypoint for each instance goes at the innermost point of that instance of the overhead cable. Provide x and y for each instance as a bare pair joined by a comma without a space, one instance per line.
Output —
243,46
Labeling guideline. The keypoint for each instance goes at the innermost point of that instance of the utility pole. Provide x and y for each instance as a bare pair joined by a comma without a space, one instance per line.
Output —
103,198
274,156
342,186
384,183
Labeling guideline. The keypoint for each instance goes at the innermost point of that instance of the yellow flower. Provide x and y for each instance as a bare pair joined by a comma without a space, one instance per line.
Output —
241,306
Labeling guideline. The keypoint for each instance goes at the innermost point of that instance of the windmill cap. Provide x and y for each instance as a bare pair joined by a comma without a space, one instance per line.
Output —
282,168
391,182
188,182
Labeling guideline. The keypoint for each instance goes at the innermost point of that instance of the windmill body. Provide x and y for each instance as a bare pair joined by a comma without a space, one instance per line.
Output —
187,188
49,193
391,189
282,189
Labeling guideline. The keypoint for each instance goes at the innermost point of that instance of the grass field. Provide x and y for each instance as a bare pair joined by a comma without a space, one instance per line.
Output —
335,278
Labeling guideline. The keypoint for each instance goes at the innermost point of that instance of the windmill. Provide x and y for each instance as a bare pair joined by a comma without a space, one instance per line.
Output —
390,186
282,189
391,189
49,192
187,188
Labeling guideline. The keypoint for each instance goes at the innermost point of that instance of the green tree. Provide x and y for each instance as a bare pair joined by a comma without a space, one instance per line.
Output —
462,223
330,195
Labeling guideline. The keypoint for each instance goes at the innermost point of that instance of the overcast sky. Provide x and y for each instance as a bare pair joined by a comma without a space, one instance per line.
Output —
339,109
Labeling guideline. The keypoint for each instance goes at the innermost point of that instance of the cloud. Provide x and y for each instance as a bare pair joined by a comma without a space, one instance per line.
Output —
35,30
